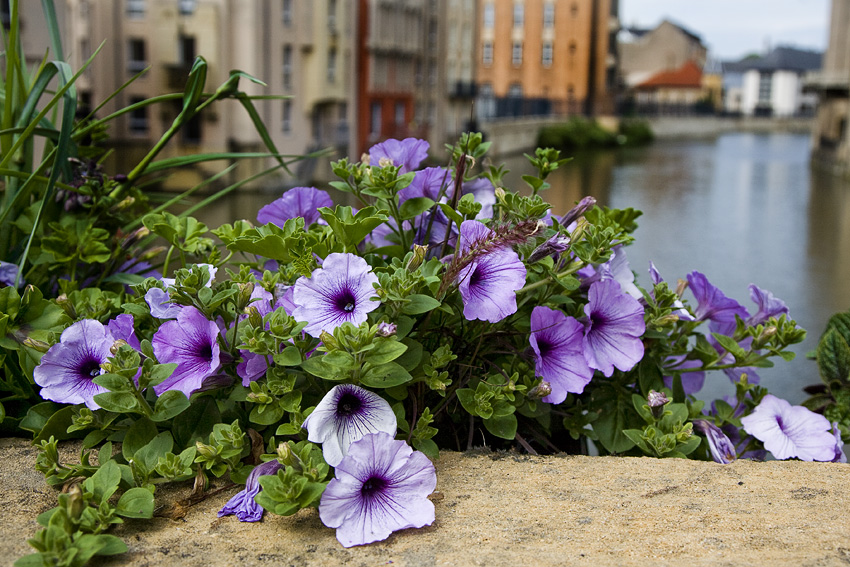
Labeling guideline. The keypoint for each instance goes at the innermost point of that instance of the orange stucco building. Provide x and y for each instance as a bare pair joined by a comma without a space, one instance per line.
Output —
556,56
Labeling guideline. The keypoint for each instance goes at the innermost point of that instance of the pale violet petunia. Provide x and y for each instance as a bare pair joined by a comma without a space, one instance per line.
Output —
381,486
345,414
614,328
190,341
791,431
341,291
557,344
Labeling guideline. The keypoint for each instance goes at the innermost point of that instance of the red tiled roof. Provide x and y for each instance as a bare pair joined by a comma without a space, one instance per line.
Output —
687,76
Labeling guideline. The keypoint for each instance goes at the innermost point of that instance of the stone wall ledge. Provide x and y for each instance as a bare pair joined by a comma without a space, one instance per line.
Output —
511,509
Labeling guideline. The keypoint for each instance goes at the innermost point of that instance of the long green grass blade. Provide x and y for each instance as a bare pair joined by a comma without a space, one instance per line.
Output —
53,29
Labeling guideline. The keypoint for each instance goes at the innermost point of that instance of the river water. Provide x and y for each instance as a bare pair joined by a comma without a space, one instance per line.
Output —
742,208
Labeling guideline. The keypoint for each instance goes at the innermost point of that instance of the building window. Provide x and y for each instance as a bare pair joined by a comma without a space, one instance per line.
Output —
549,15
489,15
516,53
137,59
765,86
191,131
286,10
186,49
399,114
186,7
519,14
572,49
135,9
547,54
286,121
487,53
375,119
515,90
287,66
574,10
138,117
332,16
332,65
5,14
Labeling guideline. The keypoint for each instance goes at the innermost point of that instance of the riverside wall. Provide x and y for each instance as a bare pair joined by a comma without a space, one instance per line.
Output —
514,136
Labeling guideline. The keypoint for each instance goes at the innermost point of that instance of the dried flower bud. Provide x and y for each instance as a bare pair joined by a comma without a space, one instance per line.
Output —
117,345
419,252
540,391
385,162
365,158
254,317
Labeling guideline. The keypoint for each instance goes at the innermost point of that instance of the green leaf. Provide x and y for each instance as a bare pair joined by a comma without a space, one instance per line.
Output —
833,355
113,382
140,434
386,350
156,448
170,404
290,356
196,423
503,426
386,376
316,366
419,303
118,402
350,229
160,372
136,503
414,207
730,345
57,426
38,415
266,414
649,376
104,482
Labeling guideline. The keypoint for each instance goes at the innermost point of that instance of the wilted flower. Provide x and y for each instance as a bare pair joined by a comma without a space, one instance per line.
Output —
297,202
721,447
407,153
192,342
573,214
381,486
66,370
768,305
552,247
557,343
790,431
243,504
387,329
840,457
344,415
656,402
615,325
340,291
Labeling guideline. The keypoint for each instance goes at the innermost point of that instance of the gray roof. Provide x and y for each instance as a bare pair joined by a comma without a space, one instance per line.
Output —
783,58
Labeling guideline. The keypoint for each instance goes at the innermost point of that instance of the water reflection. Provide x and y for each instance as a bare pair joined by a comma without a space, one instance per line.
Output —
742,209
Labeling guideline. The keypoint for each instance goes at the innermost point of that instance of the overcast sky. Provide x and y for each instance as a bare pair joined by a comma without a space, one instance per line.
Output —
732,29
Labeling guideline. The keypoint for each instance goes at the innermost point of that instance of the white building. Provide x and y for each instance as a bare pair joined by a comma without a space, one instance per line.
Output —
773,85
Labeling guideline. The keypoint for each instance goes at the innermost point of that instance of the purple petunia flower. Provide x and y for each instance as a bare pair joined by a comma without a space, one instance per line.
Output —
122,328
297,202
712,304
721,447
381,486
340,291
428,183
192,342
8,273
692,382
768,306
489,283
614,327
557,343
790,431
344,415
407,153
66,370
243,504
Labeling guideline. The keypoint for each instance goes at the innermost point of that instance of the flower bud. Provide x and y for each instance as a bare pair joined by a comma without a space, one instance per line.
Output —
244,296
419,252
206,451
386,329
254,317
656,402
76,504
721,447
540,391
555,245
582,207
36,344
328,340
116,346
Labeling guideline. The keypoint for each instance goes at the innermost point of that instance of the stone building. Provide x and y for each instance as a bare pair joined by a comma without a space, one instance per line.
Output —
645,52
542,57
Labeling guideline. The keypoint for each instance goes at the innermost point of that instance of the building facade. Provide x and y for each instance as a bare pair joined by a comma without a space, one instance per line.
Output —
646,52
541,57
772,85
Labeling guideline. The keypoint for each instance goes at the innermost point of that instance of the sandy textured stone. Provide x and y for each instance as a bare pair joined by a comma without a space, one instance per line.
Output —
509,509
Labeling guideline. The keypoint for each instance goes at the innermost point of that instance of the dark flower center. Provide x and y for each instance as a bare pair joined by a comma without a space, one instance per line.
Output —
345,301
779,422
205,351
544,347
374,485
90,368
349,404
475,277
